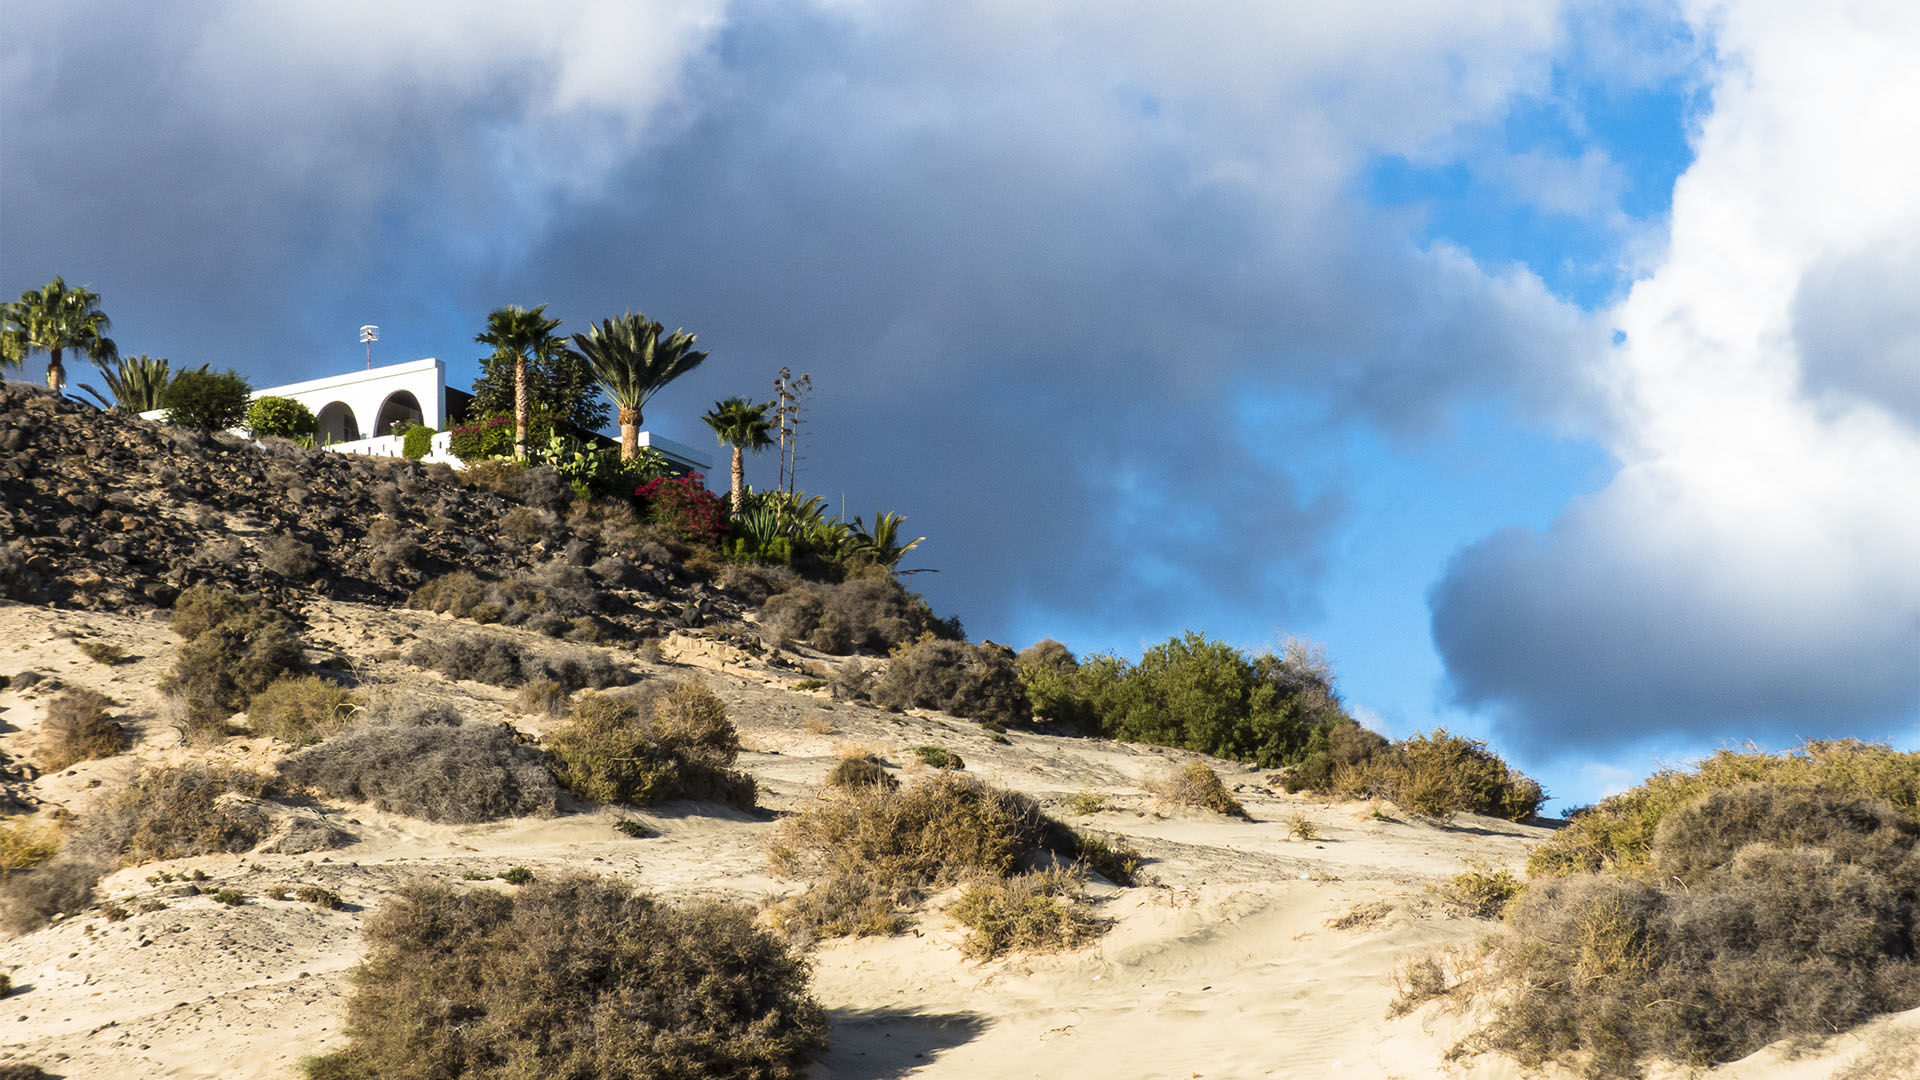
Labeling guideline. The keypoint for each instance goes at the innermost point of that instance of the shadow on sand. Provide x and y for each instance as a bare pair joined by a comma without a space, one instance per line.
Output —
878,1044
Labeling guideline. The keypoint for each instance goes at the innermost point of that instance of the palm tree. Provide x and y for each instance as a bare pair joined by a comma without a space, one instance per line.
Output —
633,363
52,320
743,426
135,383
883,545
524,335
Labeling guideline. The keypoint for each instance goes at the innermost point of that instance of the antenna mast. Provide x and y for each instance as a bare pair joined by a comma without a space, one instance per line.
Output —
368,335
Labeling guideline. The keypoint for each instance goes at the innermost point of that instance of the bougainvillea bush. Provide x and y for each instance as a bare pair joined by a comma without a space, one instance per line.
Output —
683,504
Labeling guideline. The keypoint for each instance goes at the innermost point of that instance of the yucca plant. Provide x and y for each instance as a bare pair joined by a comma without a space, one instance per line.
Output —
134,383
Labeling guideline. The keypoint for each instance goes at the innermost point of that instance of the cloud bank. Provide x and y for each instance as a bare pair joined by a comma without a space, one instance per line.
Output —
1751,569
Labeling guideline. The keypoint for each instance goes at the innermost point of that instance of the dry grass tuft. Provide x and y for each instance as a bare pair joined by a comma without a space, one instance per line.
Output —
77,728
1196,785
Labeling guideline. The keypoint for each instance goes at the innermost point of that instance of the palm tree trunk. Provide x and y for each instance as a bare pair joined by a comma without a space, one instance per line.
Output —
629,434
739,480
520,406
55,373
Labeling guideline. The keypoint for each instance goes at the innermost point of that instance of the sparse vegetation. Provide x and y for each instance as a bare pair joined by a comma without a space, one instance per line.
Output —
23,844
1300,828
1038,912
430,766
871,852
937,757
1196,785
77,728
29,899
500,660
700,991
101,652
1113,859
229,897
643,749
1482,890
517,875
301,709
1085,802
861,770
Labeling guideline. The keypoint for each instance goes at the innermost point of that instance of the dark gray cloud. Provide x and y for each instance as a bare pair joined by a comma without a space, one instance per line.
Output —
1858,330
1031,255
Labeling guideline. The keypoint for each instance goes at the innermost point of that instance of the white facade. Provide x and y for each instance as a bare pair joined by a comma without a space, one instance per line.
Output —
367,404
357,412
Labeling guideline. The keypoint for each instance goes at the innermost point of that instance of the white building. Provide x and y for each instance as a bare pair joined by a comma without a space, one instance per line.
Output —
359,410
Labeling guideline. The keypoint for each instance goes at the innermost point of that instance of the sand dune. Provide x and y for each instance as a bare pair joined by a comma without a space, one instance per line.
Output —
1225,965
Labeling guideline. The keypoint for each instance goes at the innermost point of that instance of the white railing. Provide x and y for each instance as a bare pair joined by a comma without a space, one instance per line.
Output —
394,446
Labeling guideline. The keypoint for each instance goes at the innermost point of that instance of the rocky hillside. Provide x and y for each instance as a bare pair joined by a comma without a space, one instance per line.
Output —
101,511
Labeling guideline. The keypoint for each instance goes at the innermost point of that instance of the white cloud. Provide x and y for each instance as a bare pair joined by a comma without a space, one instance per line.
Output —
1751,568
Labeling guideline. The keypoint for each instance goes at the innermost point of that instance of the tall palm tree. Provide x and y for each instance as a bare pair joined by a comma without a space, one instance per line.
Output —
524,335
135,383
742,425
52,320
629,358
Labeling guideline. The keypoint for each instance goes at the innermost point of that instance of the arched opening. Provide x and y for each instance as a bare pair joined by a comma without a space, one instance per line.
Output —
337,424
401,407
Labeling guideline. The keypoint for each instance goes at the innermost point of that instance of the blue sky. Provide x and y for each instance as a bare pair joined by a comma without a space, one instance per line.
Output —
1552,364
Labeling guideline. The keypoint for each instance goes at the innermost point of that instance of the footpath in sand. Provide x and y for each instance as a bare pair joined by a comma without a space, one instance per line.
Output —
1250,952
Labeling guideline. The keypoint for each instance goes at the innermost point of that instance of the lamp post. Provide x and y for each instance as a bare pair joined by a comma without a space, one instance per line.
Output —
369,335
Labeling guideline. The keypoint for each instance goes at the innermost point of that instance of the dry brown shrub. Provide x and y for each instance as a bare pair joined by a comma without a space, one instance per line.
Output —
176,811
429,766
1769,912
975,682
77,728
29,899
24,844
577,977
1196,785
542,697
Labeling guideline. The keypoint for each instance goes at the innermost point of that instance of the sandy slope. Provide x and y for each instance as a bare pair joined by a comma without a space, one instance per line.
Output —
1225,966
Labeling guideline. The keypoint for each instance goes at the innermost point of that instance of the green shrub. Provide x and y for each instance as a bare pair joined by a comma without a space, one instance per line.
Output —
230,897
517,875
1767,911
1340,748
232,649
301,709
1086,801
1038,912
77,728
1196,785
208,400
975,682
429,766
577,977
281,416
647,749
1619,831
1191,693
416,442
937,757
1438,775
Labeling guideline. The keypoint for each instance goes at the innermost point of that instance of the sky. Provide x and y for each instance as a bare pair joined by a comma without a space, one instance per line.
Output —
1555,365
